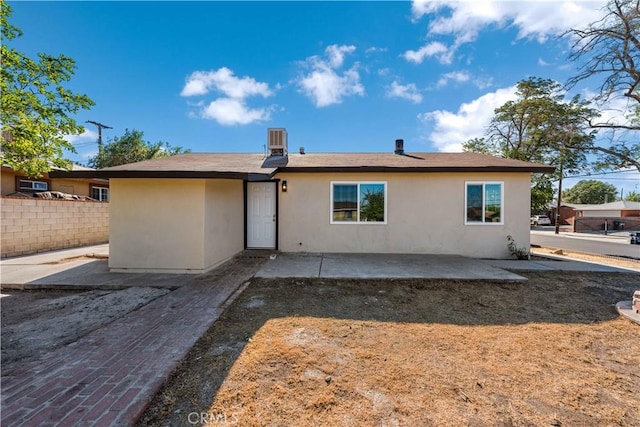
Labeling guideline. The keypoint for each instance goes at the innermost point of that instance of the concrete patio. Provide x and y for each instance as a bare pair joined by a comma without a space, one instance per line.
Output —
383,266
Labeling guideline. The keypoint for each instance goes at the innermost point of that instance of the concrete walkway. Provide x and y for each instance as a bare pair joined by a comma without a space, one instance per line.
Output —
83,268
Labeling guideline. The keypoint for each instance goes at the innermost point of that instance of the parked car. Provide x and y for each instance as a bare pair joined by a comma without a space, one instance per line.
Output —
540,220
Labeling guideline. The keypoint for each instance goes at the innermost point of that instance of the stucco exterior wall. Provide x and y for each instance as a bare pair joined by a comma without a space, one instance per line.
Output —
35,225
157,225
224,221
425,214
174,225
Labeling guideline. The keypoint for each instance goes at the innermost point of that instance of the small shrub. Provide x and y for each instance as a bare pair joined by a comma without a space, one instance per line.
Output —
518,252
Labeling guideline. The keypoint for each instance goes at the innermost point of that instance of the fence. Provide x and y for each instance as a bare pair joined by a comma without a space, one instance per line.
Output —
587,224
30,225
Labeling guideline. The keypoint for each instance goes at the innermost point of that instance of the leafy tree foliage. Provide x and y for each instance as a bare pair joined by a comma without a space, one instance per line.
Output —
590,191
372,206
632,196
35,107
540,126
610,49
131,148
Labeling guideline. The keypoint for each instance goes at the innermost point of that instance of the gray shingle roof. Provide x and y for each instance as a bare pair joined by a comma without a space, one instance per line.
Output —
256,166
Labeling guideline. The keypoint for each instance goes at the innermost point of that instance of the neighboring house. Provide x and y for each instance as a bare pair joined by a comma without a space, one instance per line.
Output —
191,212
619,209
620,215
16,183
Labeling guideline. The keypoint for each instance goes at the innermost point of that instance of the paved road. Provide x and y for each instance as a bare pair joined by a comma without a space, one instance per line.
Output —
587,243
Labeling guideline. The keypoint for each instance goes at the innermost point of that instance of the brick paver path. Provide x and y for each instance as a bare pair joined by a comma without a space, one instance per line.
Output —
108,376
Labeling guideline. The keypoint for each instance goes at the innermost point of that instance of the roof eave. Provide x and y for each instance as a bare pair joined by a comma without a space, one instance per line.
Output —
423,169
110,174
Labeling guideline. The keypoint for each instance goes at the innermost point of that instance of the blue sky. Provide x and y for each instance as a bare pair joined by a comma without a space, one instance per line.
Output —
339,76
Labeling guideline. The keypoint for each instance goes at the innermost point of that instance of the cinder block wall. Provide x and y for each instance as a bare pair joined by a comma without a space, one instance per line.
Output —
36,225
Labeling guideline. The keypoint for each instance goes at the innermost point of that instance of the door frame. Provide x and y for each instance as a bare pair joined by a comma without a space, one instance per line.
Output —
276,185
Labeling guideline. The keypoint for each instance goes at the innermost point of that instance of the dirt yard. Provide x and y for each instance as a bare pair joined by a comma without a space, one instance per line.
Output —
549,351
36,322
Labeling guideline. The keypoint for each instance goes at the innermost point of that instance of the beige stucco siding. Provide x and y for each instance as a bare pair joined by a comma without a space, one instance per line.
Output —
157,224
174,225
224,220
425,214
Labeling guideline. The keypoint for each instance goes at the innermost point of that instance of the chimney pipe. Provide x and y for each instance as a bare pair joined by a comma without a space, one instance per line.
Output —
399,146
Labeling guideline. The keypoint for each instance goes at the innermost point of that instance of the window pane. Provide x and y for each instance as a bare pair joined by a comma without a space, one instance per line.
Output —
372,202
492,202
345,202
474,203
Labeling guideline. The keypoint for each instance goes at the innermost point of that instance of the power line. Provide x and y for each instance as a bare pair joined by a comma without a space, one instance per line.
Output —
100,127
601,174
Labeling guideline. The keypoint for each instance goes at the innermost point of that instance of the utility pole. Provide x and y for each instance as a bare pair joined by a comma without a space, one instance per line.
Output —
557,229
100,127
570,132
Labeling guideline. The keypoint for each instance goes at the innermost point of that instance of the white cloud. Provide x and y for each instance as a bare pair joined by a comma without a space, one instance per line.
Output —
464,77
231,109
543,63
615,111
537,19
533,19
223,80
410,92
323,84
336,53
86,137
375,49
456,76
444,54
451,130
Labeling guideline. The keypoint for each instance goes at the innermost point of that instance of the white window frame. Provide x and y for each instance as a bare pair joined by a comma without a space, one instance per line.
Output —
357,221
33,185
101,190
484,184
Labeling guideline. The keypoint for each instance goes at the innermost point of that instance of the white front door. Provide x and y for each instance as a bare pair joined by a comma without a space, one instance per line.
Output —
261,215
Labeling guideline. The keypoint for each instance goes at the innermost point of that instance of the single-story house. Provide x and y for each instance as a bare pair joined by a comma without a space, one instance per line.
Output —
618,209
16,183
191,212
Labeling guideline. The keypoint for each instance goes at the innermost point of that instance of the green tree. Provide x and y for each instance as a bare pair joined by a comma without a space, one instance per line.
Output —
35,107
131,148
632,196
591,192
609,49
372,206
540,126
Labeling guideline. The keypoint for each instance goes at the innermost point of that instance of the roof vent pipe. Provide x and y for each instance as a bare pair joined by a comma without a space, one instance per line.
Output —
301,150
399,146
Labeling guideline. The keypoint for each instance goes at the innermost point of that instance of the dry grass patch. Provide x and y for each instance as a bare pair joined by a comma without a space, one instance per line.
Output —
312,371
551,351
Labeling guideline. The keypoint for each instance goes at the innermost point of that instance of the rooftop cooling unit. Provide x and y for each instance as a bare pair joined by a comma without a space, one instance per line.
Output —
277,141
